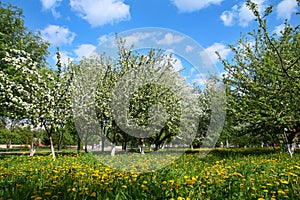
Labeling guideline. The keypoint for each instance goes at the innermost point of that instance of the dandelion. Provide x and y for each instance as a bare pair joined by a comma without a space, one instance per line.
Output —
284,181
47,193
93,194
280,191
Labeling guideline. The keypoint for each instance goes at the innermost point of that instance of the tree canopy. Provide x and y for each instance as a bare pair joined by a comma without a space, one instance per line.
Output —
263,80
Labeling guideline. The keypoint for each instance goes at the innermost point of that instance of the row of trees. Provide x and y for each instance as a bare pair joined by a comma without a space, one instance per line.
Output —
152,104
140,99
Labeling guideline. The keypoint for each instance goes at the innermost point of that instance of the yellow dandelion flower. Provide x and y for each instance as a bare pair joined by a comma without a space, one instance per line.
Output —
266,191
47,193
93,194
286,191
164,182
124,186
145,182
284,181
280,191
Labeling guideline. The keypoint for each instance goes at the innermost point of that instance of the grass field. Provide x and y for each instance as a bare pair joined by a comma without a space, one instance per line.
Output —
222,174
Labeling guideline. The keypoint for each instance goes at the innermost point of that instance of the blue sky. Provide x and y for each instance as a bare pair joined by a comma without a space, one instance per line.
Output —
79,26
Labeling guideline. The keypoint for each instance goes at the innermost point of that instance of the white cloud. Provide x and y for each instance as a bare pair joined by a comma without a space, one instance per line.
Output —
101,12
200,79
279,28
169,39
227,16
209,56
57,35
285,9
240,15
84,50
51,5
188,49
65,57
103,39
193,5
177,64
136,37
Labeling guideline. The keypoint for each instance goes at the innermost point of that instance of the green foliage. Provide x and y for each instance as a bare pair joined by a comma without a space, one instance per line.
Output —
14,34
17,135
263,81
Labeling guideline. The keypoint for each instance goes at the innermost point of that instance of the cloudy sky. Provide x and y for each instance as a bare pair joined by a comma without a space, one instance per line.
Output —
79,26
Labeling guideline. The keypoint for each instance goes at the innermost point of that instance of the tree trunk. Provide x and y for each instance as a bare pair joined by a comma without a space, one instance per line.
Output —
52,147
124,145
60,138
32,147
8,143
102,143
78,144
142,146
113,149
85,145
290,140
227,143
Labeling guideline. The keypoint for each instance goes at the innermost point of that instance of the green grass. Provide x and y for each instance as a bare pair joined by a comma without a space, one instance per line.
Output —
222,174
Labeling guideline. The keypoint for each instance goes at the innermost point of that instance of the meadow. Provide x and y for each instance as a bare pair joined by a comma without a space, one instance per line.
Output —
222,174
